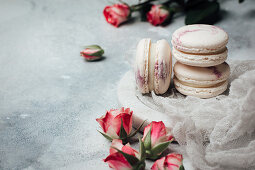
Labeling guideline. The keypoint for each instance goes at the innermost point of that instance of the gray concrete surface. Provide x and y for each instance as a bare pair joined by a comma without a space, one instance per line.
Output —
50,97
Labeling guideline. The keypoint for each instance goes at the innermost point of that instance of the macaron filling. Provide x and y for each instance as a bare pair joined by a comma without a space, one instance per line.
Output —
151,62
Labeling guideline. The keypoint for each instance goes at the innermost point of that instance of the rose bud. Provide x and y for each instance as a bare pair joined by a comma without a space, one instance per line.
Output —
117,124
124,157
172,161
117,14
156,139
158,15
92,52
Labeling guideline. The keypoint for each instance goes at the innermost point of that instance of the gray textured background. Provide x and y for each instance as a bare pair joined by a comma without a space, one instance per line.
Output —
50,97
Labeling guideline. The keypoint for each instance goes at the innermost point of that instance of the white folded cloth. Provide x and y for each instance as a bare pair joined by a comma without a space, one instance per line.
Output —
215,133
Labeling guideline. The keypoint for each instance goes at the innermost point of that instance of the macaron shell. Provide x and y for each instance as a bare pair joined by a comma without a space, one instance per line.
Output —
206,92
201,76
199,38
201,60
163,67
141,65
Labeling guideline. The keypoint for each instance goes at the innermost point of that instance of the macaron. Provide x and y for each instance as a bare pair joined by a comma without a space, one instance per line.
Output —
202,82
200,45
153,66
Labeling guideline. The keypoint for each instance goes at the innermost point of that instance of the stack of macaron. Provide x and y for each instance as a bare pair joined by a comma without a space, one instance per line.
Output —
200,70
200,51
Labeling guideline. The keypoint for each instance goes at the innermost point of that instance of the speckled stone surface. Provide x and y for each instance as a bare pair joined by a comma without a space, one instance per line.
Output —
50,97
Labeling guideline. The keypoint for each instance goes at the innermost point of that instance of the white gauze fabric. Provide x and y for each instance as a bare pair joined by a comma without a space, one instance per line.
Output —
216,133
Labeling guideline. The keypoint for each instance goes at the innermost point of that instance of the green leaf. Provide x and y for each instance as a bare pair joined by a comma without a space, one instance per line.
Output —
147,140
205,13
164,7
148,152
105,135
181,167
123,133
137,130
132,160
141,149
140,166
160,148
93,46
98,54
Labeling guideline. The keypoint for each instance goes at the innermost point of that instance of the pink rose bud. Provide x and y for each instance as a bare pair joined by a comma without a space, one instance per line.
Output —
157,15
117,14
117,144
156,139
116,123
172,161
124,157
92,52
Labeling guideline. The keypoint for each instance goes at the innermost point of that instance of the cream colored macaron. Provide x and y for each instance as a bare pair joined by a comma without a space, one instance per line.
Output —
201,60
199,38
200,45
153,66
203,82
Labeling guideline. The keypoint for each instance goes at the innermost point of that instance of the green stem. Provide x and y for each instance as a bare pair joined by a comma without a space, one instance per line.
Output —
176,9
140,5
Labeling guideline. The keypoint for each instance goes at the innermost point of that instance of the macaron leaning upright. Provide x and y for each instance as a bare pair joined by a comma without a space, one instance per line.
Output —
153,66
200,45
203,82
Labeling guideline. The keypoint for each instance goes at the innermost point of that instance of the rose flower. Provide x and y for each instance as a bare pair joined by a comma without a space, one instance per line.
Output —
117,14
